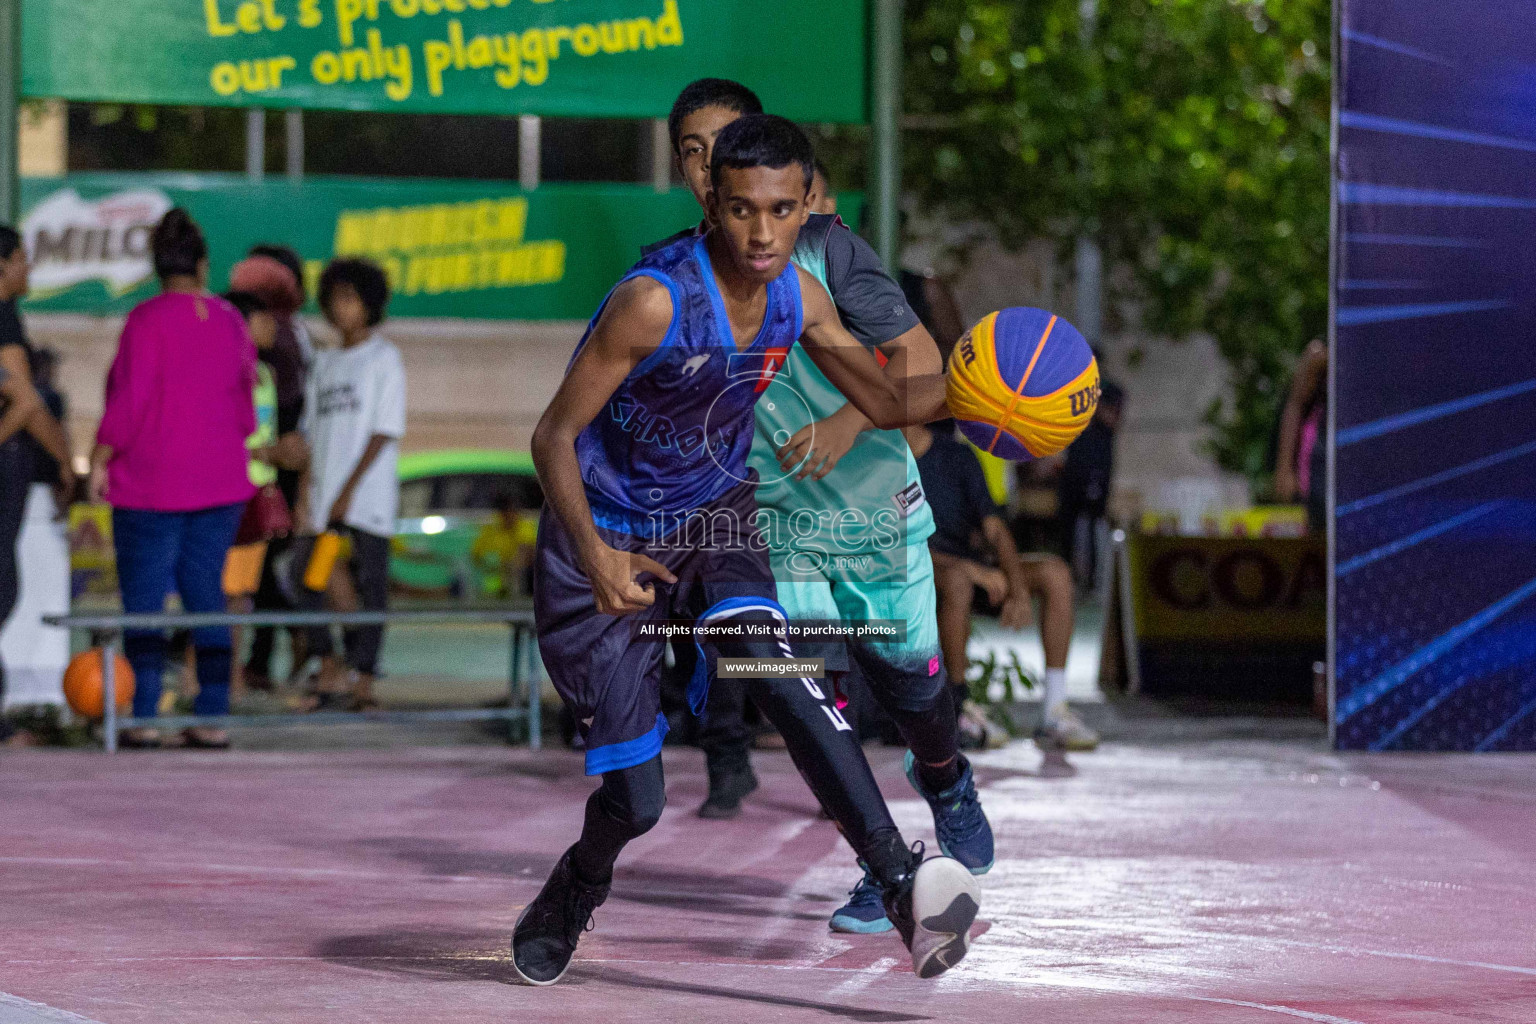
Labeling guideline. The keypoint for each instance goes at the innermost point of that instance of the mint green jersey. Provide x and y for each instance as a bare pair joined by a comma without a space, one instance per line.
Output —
872,502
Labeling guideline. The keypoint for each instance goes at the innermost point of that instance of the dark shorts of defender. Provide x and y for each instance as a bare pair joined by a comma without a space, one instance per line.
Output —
607,674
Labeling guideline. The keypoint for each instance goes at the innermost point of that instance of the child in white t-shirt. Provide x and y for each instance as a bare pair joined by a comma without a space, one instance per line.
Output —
354,417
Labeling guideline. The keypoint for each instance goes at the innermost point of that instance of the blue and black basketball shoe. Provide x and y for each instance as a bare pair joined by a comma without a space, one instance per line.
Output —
958,820
864,913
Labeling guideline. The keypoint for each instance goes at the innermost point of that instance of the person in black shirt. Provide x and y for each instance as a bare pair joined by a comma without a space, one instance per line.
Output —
45,465
973,550
1087,476
935,305
23,419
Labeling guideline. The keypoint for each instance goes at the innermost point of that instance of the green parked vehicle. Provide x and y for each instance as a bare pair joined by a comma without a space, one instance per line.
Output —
448,500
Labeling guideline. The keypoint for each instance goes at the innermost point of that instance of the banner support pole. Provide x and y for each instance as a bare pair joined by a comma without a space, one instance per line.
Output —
255,143
885,136
661,156
530,146
293,124
10,110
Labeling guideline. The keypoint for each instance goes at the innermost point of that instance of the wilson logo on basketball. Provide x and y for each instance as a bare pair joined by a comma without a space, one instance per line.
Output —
967,351
1084,401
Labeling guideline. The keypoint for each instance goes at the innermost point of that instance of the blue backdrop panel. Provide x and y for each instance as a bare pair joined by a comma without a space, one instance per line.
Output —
1435,376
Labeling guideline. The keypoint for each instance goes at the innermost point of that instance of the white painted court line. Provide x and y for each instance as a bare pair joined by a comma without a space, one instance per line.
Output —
171,867
16,1010
1289,1011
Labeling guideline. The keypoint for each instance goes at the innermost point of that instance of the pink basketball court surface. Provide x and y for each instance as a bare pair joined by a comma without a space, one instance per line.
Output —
1241,881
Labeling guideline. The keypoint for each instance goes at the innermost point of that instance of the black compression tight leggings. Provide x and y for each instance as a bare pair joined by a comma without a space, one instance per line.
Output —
934,734
823,747
626,806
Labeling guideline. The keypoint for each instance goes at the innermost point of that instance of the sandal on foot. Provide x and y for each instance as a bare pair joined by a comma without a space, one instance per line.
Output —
205,739
140,739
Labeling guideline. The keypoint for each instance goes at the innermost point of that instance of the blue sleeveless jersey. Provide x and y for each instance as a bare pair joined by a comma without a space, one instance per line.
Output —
676,434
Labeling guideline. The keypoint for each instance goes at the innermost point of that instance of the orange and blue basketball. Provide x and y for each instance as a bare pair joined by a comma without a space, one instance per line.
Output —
1023,384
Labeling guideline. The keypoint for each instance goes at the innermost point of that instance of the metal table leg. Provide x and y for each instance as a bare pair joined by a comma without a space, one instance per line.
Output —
535,704
109,695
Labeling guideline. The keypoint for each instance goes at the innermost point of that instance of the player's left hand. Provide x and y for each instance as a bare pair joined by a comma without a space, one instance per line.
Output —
1015,612
818,447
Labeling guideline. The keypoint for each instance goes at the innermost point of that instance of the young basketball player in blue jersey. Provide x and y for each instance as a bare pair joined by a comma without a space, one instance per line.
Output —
846,517
650,519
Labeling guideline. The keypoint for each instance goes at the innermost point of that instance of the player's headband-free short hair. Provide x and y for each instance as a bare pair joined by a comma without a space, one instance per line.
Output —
365,277
761,140
710,92
10,241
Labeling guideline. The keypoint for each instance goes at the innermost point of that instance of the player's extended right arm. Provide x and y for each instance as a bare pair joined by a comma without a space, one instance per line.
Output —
632,326
887,402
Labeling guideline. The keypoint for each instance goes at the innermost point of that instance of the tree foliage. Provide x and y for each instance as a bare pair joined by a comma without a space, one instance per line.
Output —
1190,137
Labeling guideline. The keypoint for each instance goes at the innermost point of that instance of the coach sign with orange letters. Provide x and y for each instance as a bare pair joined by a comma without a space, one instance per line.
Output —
1234,618
1228,588
594,58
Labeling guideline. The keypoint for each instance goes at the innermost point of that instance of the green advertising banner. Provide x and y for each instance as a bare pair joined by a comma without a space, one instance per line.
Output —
592,58
451,248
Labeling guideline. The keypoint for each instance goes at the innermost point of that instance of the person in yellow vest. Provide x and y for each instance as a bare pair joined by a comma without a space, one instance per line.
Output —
503,549
242,566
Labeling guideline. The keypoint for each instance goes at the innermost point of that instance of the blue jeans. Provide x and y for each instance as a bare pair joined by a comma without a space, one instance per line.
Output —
158,552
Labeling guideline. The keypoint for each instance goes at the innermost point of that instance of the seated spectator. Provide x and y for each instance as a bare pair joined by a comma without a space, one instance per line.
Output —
973,551
170,456
354,417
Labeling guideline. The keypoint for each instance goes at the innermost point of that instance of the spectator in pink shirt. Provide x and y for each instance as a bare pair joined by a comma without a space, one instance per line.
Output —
170,457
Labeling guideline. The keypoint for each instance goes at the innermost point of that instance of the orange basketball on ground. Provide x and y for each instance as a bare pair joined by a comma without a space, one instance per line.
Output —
83,684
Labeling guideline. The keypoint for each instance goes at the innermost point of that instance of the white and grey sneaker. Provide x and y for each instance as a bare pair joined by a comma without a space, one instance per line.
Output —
1061,729
977,731
933,907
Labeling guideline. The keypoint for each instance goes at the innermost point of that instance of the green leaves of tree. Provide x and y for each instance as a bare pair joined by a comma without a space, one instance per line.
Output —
1189,136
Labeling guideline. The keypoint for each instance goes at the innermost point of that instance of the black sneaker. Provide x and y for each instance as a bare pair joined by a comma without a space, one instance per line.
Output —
545,936
729,781
933,906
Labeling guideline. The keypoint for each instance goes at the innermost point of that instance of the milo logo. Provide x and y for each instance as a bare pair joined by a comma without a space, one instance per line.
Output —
73,240
1083,401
